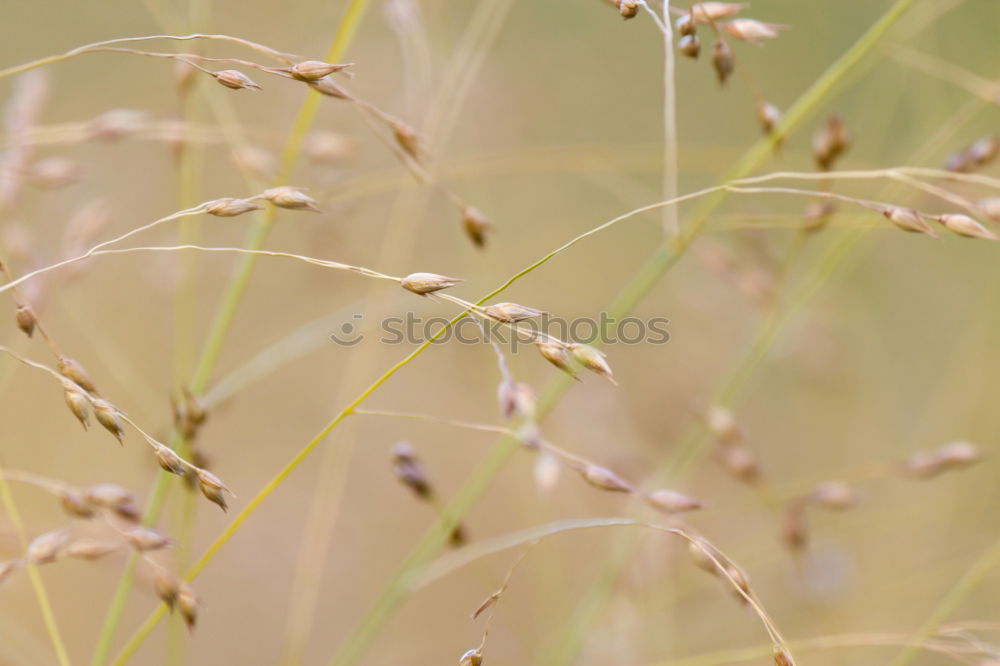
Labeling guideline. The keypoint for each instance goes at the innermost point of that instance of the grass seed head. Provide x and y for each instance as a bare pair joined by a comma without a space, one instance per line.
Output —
426,283
187,604
292,198
74,372
46,548
511,312
990,208
235,79
604,478
117,124
817,215
963,225
89,549
592,359
516,399
740,462
408,470
330,88
471,658
690,46
908,220
671,501
407,138
476,225
722,60
313,70
129,512
75,505
830,142
709,12
628,9
768,115
558,355
685,25
751,30
25,319
108,495
167,587
722,424
170,461
109,417
782,657
212,488
795,532
145,539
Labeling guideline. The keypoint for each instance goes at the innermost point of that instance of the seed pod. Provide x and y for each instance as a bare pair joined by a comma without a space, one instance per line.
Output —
782,657
722,424
409,140
313,70
75,505
685,25
690,46
707,12
229,207
327,86
212,488
699,550
167,588
558,355
55,173
426,283
990,208
329,147
546,471
25,319
672,501
195,408
830,142
187,604
963,225
909,220
739,461
170,461
408,470
768,115
834,495
817,215
605,479
117,124
736,577
107,495
291,197
88,549
751,30
74,372
592,359
628,9
109,417
235,79
722,60
511,312
144,539
476,225
795,533
471,658
45,548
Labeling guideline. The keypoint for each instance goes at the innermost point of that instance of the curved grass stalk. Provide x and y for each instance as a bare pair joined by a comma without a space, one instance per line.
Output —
227,312
37,584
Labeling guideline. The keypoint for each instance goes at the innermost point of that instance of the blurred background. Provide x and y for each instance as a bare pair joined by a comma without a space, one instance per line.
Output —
841,353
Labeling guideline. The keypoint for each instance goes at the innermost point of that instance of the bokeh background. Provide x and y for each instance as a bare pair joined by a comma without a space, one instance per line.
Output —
548,119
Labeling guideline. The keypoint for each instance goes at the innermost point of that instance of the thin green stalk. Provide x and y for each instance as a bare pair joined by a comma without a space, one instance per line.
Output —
648,276
227,312
37,584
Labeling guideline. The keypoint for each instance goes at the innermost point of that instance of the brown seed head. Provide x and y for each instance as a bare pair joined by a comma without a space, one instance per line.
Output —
170,461
167,587
109,417
672,501
107,495
75,505
685,25
768,115
751,30
74,372
409,140
794,532
909,220
426,283
511,312
722,60
129,512
963,225
88,549
476,225
187,604
408,470
739,461
25,319
690,46
558,355
697,550
212,488
782,657
835,495
145,539
313,70
235,79
605,479
708,12
77,403
830,142
628,8
291,197
327,86
45,548
229,207
592,359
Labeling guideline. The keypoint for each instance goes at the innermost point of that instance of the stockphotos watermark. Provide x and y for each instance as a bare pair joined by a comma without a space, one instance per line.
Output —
414,329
